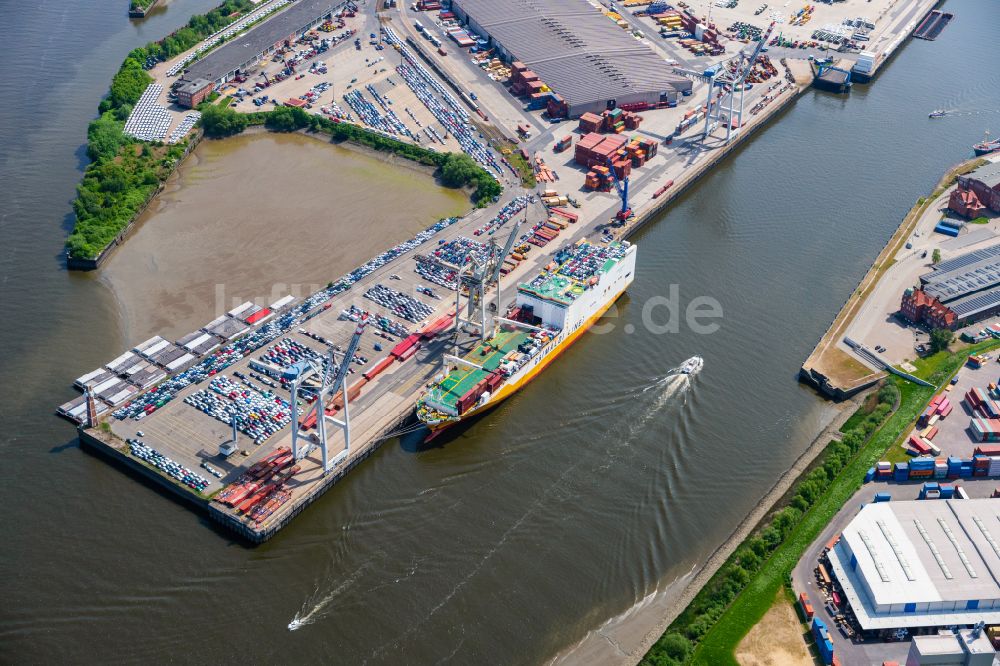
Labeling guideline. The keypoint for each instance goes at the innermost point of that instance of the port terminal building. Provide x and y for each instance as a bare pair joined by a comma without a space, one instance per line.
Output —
246,50
958,292
574,50
922,564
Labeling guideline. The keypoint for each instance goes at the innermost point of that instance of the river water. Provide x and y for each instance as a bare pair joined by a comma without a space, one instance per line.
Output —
575,502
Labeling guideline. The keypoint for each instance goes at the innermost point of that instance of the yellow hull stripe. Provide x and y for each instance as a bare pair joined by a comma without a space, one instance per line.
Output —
510,389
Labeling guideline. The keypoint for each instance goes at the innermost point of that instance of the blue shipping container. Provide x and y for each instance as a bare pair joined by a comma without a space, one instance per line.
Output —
870,474
882,497
947,231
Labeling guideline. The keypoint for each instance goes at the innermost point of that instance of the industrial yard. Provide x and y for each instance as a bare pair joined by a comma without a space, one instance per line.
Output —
602,165
250,338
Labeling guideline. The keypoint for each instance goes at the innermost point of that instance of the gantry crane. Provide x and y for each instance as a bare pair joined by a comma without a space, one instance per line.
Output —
477,276
333,381
736,82
720,75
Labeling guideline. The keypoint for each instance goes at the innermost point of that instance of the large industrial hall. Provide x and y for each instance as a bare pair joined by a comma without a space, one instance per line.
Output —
921,564
576,51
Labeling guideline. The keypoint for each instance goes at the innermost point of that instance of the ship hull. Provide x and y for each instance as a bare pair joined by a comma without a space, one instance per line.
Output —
511,388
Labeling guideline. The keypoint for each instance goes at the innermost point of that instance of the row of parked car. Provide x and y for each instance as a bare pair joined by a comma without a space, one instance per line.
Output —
150,455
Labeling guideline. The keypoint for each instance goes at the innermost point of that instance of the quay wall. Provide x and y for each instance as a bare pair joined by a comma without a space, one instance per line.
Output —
260,536
91,441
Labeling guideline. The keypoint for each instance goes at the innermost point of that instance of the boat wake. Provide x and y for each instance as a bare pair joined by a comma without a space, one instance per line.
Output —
675,383
306,617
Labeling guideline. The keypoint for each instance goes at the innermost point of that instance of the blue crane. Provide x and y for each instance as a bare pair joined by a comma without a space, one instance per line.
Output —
622,187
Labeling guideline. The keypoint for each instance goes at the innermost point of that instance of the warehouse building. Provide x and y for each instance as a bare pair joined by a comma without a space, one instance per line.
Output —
587,60
977,193
958,292
246,50
921,564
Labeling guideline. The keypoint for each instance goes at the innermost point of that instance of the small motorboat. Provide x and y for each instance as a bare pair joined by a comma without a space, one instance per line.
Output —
691,366
938,113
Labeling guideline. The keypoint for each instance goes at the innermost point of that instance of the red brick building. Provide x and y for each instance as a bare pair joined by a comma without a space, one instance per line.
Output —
920,308
974,197
191,93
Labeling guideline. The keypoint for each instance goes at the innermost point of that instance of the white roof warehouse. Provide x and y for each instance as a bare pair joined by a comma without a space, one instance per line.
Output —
575,50
926,563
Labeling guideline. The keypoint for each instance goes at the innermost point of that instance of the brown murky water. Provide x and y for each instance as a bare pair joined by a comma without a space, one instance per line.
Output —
259,216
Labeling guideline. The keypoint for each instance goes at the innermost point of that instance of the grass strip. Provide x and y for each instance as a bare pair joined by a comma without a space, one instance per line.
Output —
719,644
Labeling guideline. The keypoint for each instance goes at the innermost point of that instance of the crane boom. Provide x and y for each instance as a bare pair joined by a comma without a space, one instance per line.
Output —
495,275
351,350
756,52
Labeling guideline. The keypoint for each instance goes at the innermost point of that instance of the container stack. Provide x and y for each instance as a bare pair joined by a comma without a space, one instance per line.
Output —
921,468
939,406
823,642
669,20
980,466
901,472
591,122
986,430
595,149
613,121
883,470
557,107
959,469
940,468
523,81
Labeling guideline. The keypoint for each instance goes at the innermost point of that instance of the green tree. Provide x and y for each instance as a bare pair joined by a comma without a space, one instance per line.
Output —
936,256
104,137
127,86
676,646
940,339
458,170
286,119
222,121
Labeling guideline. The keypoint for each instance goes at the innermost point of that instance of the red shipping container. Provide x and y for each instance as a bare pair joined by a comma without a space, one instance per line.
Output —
378,368
987,450
917,445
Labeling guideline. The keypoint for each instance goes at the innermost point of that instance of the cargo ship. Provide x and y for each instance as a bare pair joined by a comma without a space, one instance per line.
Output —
986,146
550,313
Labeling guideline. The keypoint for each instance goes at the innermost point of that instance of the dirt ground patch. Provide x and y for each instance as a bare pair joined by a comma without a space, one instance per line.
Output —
776,640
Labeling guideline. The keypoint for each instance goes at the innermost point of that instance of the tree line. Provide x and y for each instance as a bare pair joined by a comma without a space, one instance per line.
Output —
453,169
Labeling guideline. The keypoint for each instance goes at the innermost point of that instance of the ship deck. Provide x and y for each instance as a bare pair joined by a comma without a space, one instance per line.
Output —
488,355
